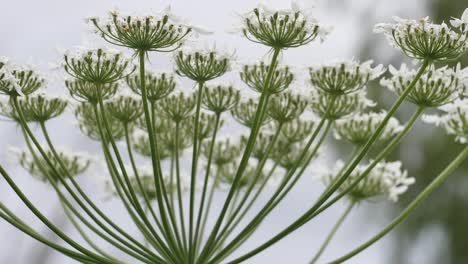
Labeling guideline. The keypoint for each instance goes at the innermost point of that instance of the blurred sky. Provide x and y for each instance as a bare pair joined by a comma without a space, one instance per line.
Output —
33,31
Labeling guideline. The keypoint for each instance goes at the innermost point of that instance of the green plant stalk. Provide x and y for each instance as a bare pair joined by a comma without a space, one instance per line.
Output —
245,156
423,195
208,206
193,182
156,161
63,199
132,196
300,221
137,177
136,221
251,203
258,173
46,221
379,158
179,189
120,185
333,232
12,219
272,202
28,132
168,200
83,233
69,205
205,184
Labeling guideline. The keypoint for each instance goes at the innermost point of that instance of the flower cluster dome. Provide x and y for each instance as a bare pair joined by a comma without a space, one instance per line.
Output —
386,178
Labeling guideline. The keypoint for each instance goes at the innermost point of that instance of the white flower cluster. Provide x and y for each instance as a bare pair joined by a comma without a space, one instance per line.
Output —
344,76
358,128
436,87
281,28
454,120
93,55
462,22
117,20
425,40
386,178
98,65
336,107
75,163
19,79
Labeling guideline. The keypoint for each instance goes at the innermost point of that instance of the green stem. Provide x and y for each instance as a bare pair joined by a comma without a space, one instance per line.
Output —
12,219
301,220
333,232
205,184
374,163
46,221
421,197
192,239
29,133
280,192
138,179
246,155
258,173
131,192
251,203
156,161
83,233
167,199
179,188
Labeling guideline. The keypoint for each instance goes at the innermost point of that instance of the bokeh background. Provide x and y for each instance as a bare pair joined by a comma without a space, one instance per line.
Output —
36,31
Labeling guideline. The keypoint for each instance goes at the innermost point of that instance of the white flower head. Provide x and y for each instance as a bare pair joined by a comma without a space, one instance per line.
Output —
462,22
286,28
157,31
343,77
434,88
336,107
454,119
74,163
358,128
202,64
424,40
98,65
386,178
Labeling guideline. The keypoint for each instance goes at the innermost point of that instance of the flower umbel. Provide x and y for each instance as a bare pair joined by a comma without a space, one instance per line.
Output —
436,87
386,178
358,128
424,40
255,76
280,29
98,66
155,32
454,119
343,77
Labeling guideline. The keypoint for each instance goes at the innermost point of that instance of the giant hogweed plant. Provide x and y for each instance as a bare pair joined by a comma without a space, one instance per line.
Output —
119,102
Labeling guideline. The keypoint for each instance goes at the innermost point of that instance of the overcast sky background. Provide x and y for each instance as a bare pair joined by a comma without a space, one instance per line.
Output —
33,31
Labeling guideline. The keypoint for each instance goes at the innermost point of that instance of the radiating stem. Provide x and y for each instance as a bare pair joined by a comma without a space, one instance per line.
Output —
193,180
423,195
205,183
245,156
333,232
390,146
156,161
303,219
